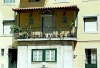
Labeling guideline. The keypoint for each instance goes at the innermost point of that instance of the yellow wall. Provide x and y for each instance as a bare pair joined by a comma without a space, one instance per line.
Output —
24,18
6,10
79,50
86,8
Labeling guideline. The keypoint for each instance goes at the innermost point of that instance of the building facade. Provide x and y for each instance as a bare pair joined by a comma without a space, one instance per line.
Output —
49,34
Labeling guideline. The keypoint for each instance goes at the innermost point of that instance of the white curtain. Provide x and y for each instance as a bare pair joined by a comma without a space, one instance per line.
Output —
93,56
90,25
6,27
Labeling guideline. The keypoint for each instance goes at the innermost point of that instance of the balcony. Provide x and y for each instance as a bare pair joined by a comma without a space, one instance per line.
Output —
45,33
46,23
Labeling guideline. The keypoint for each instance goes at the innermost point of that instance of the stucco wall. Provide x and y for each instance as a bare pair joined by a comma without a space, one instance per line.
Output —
5,43
64,54
57,18
79,50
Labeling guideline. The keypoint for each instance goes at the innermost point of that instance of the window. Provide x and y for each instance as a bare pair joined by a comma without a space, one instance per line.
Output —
34,0
44,55
90,58
50,55
90,24
8,1
61,0
6,27
2,52
37,55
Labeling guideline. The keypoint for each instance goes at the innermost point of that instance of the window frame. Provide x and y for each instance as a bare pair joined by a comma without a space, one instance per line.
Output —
1,52
8,3
7,21
55,1
90,16
86,55
43,55
88,47
34,1
89,0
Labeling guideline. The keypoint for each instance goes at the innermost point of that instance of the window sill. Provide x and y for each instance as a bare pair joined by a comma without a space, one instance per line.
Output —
61,2
89,0
6,35
2,56
91,32
9,4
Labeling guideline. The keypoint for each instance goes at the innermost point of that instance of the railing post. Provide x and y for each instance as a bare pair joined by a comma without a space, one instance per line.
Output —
19,19
15,19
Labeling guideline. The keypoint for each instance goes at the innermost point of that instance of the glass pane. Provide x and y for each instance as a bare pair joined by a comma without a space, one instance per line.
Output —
34,55
2,52
90,23
53,55
40,55
6,1
47,55
12,1
50,55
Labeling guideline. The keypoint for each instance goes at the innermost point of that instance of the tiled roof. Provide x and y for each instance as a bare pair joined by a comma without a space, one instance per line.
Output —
39,8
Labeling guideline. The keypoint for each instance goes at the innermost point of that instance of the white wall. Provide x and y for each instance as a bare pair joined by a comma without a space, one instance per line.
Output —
64,56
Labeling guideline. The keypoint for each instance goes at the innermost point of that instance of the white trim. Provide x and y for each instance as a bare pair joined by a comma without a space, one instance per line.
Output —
6,35
88,16
88,47
67,1
89,0
2,34
8,19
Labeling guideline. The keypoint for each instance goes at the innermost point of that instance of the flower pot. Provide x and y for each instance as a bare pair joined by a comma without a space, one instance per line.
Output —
58,35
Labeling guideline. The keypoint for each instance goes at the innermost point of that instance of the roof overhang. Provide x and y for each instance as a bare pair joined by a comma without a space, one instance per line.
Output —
73,7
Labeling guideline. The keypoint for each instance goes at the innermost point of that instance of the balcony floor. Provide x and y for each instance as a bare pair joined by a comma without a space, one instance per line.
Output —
44,39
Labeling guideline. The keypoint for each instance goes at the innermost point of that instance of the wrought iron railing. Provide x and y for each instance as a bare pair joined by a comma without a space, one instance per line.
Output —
91,63
45,32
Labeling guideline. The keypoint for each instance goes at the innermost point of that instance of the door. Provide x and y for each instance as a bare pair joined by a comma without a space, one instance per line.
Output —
12,58
47,24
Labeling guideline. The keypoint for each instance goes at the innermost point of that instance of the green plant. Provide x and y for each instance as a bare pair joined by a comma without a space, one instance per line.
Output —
29,30
48,27
15,28
59,30
71,24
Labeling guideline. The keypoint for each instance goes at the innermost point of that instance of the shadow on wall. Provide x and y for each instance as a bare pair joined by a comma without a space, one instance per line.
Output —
75,43
26,3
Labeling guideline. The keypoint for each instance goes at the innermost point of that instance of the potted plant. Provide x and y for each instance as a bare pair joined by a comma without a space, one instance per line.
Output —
43,35
37,35
59,31
29,32
14,28
48,30
24,34
72,29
